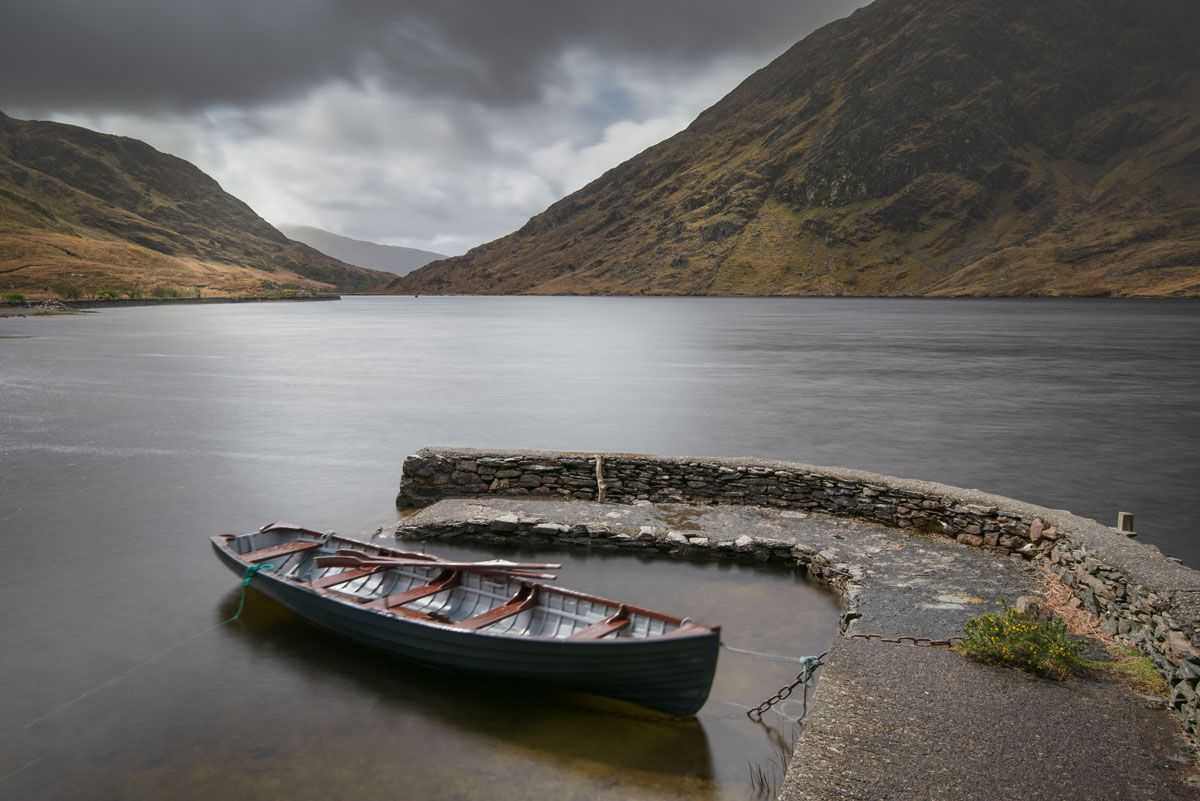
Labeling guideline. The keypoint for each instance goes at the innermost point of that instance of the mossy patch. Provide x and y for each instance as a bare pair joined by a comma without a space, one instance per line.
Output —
1132,667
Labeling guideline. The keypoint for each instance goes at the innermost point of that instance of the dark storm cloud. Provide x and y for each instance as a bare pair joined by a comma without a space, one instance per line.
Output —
149,54
431,124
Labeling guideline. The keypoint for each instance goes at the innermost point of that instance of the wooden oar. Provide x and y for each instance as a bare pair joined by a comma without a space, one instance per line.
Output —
482,569
495,567
368,556
350,553
518,574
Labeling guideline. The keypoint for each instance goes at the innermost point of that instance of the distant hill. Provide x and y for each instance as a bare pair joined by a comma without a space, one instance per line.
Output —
84,213
918,147
389,258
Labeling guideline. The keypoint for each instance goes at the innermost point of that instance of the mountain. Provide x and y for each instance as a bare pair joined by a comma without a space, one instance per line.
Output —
917,147
389,258
83,213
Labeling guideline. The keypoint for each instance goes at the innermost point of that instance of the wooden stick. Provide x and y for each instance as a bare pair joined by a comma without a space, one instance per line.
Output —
519,574
515,569
498,567
351,560
365,555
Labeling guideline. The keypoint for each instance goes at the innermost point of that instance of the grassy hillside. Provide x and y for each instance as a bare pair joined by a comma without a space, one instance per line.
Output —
918,147
84,213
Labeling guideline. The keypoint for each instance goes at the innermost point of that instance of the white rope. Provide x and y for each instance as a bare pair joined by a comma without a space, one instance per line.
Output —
773,657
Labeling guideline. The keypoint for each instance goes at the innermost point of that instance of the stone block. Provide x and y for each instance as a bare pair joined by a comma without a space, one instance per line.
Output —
1028,605
1182,694
675,538
1178,646
505,522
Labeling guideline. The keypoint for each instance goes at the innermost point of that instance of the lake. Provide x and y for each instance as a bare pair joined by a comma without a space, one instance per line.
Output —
128,436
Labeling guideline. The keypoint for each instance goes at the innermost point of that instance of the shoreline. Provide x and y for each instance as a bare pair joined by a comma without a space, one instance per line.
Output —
54,308
681,296
59,308
107,304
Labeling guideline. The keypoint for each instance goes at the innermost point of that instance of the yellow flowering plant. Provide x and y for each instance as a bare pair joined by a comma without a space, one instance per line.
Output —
1016,639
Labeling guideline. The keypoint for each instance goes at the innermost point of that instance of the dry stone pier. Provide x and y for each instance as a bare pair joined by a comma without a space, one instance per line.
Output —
909,559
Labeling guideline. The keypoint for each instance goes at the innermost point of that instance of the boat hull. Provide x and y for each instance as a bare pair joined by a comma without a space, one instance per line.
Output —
670,674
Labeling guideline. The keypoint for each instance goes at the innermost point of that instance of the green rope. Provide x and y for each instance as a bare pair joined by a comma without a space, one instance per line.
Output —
247,577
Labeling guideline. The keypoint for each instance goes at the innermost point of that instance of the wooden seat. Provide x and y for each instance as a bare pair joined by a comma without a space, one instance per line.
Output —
602,628
443,583
344,576
263,554
525,599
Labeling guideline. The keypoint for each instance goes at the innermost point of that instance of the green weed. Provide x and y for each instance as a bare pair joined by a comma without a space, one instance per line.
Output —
1018,640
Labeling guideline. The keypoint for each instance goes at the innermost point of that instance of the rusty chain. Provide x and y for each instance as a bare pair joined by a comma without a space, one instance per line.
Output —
811,663
904,639
809,667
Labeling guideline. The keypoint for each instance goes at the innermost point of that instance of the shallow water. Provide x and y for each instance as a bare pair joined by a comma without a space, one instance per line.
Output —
269,707
128,436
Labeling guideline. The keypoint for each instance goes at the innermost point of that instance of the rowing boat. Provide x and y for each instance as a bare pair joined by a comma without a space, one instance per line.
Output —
479,619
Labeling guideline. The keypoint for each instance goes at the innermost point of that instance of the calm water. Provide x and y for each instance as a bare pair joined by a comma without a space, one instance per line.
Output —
128,436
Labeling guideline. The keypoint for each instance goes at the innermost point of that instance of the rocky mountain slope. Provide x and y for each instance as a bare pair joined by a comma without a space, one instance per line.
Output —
918,147
388,258
84,213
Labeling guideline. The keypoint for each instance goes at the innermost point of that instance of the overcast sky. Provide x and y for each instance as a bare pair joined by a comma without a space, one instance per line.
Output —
434,124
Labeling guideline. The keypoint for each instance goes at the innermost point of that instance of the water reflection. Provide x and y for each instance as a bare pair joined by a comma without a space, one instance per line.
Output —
270,705
540,733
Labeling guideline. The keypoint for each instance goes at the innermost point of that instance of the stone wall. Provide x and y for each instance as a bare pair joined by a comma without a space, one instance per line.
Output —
1143,597
625,478
1159,620
430,475
509,530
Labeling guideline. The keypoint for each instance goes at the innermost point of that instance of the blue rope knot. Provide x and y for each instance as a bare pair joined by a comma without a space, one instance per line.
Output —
247,577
